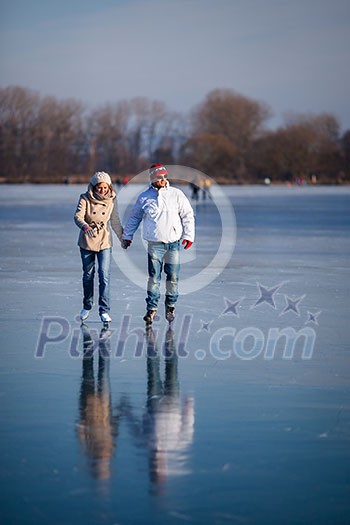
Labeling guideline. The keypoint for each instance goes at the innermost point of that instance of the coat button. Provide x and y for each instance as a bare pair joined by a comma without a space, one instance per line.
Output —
93,213
103,213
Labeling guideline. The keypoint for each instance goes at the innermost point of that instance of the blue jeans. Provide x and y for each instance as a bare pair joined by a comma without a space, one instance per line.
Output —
163,255
88,259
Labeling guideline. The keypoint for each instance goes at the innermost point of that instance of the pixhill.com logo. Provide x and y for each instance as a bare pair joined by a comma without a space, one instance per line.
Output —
236,331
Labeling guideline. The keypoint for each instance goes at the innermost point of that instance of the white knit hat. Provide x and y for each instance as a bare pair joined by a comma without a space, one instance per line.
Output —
100,176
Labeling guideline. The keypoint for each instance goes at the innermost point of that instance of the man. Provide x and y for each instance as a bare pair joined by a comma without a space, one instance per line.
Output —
167,217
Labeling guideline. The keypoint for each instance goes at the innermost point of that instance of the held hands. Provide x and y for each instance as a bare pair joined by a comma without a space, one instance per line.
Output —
89,231
187,244
125,243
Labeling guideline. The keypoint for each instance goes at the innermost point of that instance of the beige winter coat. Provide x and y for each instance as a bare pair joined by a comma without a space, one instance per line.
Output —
98,214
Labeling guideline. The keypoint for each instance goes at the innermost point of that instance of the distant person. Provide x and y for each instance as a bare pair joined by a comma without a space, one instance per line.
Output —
195,191
206,188
196,187
201,186
96,210
168,217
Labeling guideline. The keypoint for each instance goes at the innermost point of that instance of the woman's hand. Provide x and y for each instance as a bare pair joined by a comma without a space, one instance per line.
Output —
89,231
125,243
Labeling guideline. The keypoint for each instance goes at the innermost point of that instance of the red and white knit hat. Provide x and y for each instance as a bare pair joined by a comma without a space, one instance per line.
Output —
157,171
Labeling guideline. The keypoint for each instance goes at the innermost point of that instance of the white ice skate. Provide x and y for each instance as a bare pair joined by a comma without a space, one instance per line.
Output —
105,317
84,314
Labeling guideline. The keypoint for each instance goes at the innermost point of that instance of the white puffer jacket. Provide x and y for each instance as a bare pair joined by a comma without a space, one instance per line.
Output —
166,213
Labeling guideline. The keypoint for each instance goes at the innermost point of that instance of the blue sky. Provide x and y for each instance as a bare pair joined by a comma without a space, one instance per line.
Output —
293,55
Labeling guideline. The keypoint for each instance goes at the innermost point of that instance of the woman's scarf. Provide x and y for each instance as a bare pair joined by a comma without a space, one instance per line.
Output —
99,197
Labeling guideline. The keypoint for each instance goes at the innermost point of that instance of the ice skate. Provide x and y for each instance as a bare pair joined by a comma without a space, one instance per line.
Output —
105,318
170,313
84,314
150,315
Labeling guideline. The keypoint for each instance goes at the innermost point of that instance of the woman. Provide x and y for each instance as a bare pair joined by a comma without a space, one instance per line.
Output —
97,208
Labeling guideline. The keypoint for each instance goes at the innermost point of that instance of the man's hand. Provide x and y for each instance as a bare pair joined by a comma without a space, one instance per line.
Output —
89,231
187,244
125,243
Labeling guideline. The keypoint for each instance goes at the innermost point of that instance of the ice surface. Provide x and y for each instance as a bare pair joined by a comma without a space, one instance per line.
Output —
232,429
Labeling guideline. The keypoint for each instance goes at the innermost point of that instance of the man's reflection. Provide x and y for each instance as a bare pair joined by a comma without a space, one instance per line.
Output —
97,429
168,423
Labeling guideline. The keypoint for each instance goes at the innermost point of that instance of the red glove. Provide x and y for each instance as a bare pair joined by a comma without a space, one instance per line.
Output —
88,230
187,244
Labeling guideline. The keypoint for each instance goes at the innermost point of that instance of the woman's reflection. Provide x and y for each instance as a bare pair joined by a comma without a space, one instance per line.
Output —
167,425
97,428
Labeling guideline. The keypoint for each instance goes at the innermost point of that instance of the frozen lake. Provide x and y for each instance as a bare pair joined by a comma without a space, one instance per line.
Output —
247,423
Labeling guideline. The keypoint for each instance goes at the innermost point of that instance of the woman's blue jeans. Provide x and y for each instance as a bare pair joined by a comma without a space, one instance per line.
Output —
88,258
161,256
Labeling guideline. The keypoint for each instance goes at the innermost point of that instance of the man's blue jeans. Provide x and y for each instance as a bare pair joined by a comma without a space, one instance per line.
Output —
88,258
161,256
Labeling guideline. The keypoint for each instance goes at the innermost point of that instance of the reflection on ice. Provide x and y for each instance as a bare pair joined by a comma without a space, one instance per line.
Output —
97,428
165,427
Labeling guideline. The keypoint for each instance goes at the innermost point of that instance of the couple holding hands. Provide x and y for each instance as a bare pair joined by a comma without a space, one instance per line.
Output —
167,217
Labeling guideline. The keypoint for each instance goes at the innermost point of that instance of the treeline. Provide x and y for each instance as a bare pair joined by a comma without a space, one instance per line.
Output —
43,139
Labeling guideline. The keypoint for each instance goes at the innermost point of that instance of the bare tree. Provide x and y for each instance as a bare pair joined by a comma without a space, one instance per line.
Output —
149,131
18,114
126,136
57,137
212,154
322,141
46,139
306,146
345,146
37,135
239,119
106,131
